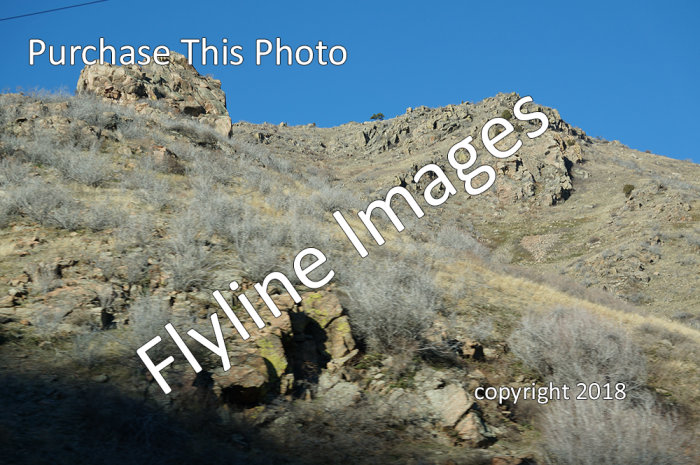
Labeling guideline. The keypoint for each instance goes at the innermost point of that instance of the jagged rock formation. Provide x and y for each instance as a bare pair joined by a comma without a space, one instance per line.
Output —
177,84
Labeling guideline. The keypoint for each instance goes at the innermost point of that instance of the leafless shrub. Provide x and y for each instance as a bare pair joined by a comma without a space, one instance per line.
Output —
258,243
330,199
152,188
61,94
189,263
142,433
13,172
626,163
481,331
258,258
85,167
136,269
262,155
47,321
40,147
217,210
6,213
107,265
607,432
454,239
102,216
39,200
147,319
581,290
305,233
658,332
377,433
693,240
135,231
391,300
88,108
106,296
86,348
197,131
688,318
68,215
133,129
286,201
573,345
8,112
220,168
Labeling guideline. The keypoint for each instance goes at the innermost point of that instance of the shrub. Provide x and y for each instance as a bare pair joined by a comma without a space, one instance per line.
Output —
68,216
219,169
482,331
574,345
262,155
136,269
12,172
102,216
189,264
5,214
377,116
259,244
506,114
330,199
258,258
59,95
133,129
147,319
585,432
392,301
153,189
197,131
40,201
451,237
135,231
90,167
627,190
85,348
88,108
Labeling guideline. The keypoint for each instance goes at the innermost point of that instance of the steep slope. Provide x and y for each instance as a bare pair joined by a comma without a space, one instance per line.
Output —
119,217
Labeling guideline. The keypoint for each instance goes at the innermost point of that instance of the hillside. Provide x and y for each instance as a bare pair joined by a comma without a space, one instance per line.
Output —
125,207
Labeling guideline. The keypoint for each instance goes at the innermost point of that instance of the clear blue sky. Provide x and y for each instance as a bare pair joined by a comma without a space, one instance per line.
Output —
626,70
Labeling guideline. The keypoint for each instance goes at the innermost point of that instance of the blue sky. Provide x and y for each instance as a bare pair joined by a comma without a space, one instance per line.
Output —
622,70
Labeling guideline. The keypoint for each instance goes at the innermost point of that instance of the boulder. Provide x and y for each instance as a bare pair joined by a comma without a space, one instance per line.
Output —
322,307
248,380
340,341
340,396
450,403
474,431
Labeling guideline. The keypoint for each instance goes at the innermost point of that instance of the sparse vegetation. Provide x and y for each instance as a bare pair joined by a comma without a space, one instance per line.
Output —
117,222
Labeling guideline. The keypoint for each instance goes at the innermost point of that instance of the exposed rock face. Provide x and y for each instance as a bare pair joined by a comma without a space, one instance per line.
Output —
450,402
177,84
292,348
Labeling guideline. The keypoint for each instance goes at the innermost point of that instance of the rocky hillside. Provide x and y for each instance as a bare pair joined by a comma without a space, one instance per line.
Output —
125,207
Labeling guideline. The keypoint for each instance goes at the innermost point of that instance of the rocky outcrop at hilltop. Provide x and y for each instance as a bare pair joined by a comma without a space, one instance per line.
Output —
178,85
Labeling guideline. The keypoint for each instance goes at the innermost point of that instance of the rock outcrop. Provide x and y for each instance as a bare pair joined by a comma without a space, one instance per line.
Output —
178,85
